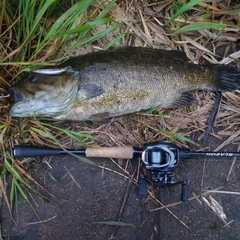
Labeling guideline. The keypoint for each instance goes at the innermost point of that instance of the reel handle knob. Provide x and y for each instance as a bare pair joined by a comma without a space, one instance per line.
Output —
184,194
142,190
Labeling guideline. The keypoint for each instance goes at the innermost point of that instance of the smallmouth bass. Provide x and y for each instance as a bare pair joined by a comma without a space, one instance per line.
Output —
116,82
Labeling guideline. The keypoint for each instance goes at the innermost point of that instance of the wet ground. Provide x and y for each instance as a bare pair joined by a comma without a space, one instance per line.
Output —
89,195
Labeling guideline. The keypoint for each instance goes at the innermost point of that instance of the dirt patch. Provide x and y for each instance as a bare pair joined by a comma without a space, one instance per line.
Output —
89,196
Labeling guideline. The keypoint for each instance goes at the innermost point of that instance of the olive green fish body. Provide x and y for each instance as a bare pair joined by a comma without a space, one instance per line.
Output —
121,81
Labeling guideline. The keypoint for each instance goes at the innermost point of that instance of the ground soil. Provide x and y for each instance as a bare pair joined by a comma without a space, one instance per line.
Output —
100,195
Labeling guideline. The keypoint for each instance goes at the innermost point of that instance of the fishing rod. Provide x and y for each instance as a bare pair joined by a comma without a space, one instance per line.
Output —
160,159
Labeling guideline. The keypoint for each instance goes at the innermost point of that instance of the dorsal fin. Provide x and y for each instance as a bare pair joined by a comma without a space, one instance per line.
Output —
178,55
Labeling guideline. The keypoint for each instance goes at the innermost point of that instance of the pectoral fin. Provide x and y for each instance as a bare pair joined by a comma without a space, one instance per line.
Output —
90,91
186,99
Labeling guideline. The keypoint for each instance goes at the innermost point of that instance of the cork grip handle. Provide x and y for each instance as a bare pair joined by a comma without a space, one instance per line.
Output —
111,152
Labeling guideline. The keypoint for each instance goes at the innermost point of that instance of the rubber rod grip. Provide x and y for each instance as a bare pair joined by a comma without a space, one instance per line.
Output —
110,152
32,151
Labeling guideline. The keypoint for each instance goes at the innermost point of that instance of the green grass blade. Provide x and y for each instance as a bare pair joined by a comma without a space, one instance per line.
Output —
41,133
183,9
54,178
97,36
19,188
68,24
68,18
199,26
12,194
3,9
65,22
148,111
174,136
74,137
82,159
231,11
33,27
87,27
115,40
70,131
115,223
106,9
15,173
12,170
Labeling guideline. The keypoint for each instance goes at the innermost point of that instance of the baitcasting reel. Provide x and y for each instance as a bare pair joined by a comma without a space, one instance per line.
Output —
160,159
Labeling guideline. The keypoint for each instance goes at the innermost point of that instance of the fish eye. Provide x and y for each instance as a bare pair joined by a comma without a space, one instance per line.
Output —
33,78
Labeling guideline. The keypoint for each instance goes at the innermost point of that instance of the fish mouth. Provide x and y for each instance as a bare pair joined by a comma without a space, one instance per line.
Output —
15,94
19,101
15,111
23,108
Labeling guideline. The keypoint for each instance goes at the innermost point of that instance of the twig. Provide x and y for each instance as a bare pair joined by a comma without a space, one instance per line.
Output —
166,208
216,207
68,172
204,166
42,221
228,223
222,192
231,168
227,141
124,202
190,199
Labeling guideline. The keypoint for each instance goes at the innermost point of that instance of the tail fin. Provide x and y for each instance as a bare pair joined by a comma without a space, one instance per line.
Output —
228,77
